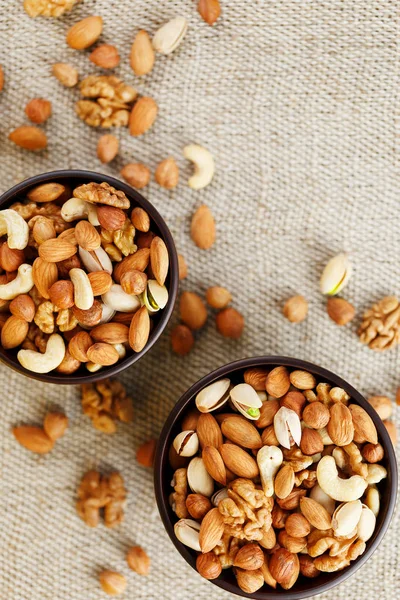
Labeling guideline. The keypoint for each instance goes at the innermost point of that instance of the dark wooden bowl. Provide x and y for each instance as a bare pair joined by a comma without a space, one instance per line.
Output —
73,179
304,587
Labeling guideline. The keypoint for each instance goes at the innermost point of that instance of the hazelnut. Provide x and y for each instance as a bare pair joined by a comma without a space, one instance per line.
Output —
182,339
268,437
218,297
62,293
295,309
311,442
23,307
65,74
373,453
167,173
55,425
105,56
297,525
183,270
284,567
136,174
38,110
230,323
382,405
198,506
307,567
340,311
107,148
294,400
208,565
392,431
292,543
134,282
112,583
138,560
279,516
250,557
249,581
316,415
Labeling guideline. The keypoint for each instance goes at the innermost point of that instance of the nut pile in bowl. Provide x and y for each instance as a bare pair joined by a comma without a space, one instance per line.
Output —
275,477
82,275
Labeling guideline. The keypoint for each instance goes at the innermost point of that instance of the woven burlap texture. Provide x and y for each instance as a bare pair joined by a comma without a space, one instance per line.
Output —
296,100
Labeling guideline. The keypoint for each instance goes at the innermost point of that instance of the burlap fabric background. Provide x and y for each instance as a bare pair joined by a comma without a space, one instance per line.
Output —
297,101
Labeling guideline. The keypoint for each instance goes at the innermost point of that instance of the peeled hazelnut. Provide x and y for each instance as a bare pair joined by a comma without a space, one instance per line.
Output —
382,405
230,323
145,453
66,74
198,506
340,311
208,565
182,339
373,453
183,270
218,297
392,431
105,56
138,560
38,110
316,415
107,148
297,525
167,173
295,309
307,567
55,425
112,583
136,174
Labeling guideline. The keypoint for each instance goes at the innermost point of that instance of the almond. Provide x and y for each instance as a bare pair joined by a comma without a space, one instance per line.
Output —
112,333
68,365
134,282
112,583
218,297
107,148
142,116
249,557
55,425
100,281
87,236
23,307
110,217
140,219
43,230
139,330
84,33
192,310
13,332
138,560
238,461
208,431
267,413
315,513
316,415
230,323
11,258
268,437
44,275
364,428
145,453
214,464
29,137
303,380
340,427
105,56
340,311
202,228
159,259
79,345
278,382
103,354
142,54
295,401
91,316
38,110
241,432
311,442
138,261
284,481
61,294
211,530
56,250
209,10
33,439
136,174
392,431
66,74
167,173
182,340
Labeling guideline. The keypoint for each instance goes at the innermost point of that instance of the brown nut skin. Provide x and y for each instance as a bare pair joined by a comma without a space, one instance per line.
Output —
307,567
105,56
182,340
284,566
112,583
249,581
69,364
38,110
11,258
55,425
316,415
292,543
311,442
192,310
198,506
279,517
250,557
295,401
183,270
218,297
138,560
167,173
295,309
230,323
107,148
209,10
90,317
13,332
190,420
136,174
140,219
340,311
208,565
23,307
145,453
62,294
297,525
373,453
392,431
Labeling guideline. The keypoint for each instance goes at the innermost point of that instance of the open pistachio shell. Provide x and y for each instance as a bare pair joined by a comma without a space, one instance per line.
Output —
199,480
186,443
335,275
213,396
246,400
346,517
286,424
187,532
219,495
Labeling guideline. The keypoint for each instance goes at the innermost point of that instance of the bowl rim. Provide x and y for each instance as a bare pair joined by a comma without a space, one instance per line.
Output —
258,361
134,196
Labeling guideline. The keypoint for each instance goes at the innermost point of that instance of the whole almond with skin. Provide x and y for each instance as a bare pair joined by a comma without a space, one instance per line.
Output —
66,74
211,530
100,281
230,323
23,307
303,380
84,33
198,506
79,345
136,174
250,557
43,229
55,425
278,382
208,431
284,481
167,173
29,137
103,354
311,442
87,236
340,311
123,317
91,316
110,217
218,297
107,148
134,282
33,438
139,330
182,340
46,192
202,228
69,236
208,565
143,115
256,377
112,333
38,110
192,310
159,259
239,461
142,54
209,10
241,432
140,219
316,415
1,78
11,258
268,411
138,261
105,56
13,332
214,464
183,270
68,365
54,251
340,427
44,275
61,293
364,428
315,513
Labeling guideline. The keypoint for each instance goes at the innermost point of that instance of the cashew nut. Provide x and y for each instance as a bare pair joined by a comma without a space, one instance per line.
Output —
96,260
343,490
93,367
269,459
75,208
16,228
83,292
203,166
22,284
43,363
117,299
120,348
375,473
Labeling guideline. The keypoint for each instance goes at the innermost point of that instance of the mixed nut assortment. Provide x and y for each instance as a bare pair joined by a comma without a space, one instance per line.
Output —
275,475
82,277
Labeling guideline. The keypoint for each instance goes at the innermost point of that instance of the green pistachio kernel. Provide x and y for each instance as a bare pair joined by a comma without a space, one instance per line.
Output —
253,412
